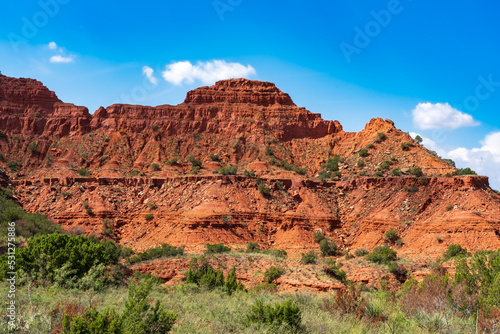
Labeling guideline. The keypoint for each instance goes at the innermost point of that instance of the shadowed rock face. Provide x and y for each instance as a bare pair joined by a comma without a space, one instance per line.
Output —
138,155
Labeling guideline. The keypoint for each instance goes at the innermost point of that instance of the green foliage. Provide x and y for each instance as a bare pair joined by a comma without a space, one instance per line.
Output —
2,134
89,211
382,254
300,171
361,163
253,247
273,273
13,165
418,139
309,258
379,173
149,216
328,248
83,172
363,153
450,162
399,271
249,173
464,171
231,170
417,171
195,169
165,250
449,207
275,252
276,316
413,189
107,229
454,251
318,236
391,236
332,164
152,206
380,137
263,189
67,260
172,162
155,166
2,157
93,322
333,270
134,172
33,147
396,172
194,162
217,248
386,164
214,157
405,147
202,274
269,150
361,252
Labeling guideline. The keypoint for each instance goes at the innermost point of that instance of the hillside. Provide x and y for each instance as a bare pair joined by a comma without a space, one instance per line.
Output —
155,174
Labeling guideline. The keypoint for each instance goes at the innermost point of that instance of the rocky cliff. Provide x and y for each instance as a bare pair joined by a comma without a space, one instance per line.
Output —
155,173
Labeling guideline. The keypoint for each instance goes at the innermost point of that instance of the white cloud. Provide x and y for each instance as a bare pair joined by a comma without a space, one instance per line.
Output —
440,115
61,59
183,72
148,72
52,45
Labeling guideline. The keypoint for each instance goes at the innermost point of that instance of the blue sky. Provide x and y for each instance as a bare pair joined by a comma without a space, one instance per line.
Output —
432,67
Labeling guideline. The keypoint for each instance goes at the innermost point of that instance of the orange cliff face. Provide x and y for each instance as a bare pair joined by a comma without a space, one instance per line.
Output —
137,155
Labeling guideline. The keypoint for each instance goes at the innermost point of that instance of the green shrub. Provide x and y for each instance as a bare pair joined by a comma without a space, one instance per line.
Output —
324,175
413,189
2,134
396,172
328,248
253,247
275,316
399,271
405,147
172,162
155,167
418,139
152,206
83,172
382,254
300,171
249,173
89,211
391,236
276,253
134,172
464,171
273,273
194,162
450,162
165,250
378,173
231,170
149,216
361,163
361,252
386,164
332,164
417,171
214,157
107,228
449,207
318,236
195,169
263,189
13,165
33,147
217,248
269,150
201,273
2,157
370,146
309,258
454,251
333,270
92,321
363,153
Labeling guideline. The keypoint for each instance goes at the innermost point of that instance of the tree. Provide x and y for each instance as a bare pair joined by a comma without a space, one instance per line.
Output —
418,139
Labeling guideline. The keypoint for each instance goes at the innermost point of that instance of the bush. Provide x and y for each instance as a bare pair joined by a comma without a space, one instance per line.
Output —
273,274
134,172
275,316
361,252
14,166
172,162
83,172
450,162
324,175
391,236
382,254
454,251
2,134
333,270
231,170
33,147
300,171
464,171
195,169
155,167
396,172
152,206
217,248
399,271
253,247
328,248
318,236
214,157
333,163
165,250
276,253
269,150
361,163
149,216
194,162
348,301
201,273
386,164
381,136
449,207
264,190
418,139
363,153
249,173
405,147
309,258
106,322
417,171
89,211
413,189
378,173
